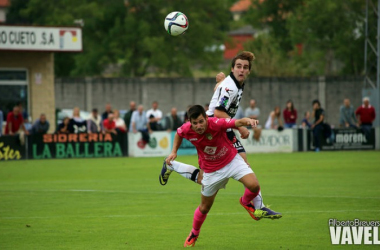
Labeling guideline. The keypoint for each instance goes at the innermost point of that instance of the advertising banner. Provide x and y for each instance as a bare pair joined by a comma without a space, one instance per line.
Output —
270,141
160,144
40,38
344,139
83,145
11,148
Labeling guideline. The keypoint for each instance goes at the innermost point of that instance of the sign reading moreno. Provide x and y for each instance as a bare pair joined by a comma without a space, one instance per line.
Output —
40,38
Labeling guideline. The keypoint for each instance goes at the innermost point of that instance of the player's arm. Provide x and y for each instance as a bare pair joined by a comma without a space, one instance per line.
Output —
244,133
219,79
176,143
246,122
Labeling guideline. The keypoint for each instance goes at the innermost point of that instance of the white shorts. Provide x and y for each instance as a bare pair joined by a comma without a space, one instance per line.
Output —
214,181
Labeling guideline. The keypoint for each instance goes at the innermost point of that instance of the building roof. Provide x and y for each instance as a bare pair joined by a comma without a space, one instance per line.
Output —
245,30
240,6
4,3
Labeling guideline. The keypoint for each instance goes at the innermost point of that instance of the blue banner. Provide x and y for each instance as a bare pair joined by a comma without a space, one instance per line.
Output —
186,147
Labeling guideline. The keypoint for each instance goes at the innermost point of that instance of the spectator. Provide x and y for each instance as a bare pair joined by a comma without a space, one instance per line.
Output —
154,115
305,121
109,124
173,121
23,112
347,117
317,127
77,124
40,126
252,111
108,110
28,125
15,123
366,115
274,120
239,113
120,124
63,128
139,123
128,115
290,115
1,122
94,122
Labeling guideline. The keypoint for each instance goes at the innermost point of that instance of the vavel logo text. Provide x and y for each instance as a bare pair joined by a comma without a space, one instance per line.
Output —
355,232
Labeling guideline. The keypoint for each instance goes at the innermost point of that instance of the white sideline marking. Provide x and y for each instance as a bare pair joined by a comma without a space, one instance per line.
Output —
180,193
178,215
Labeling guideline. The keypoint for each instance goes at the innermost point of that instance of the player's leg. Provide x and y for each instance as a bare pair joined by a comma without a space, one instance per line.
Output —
200,215
212,182
188,171
251,200
258,200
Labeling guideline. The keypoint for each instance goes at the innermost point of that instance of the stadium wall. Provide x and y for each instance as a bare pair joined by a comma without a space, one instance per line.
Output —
88,93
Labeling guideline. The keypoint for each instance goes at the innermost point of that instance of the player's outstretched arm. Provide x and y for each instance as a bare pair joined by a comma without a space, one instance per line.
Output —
176,143
246,122
219,79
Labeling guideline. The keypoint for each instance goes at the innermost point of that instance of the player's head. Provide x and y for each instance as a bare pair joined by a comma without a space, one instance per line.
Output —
198,118
241,65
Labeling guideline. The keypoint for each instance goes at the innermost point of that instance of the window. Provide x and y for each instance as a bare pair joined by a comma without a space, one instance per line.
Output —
14,90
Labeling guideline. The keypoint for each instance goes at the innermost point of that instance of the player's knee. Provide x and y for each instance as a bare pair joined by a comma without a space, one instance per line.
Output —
254,188
200,178
204,208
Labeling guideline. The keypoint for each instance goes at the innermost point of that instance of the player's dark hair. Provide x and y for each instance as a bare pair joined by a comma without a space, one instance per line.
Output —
196,111
245,55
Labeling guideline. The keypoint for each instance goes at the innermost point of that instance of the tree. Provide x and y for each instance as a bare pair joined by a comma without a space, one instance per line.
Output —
335,30
131,34
273,15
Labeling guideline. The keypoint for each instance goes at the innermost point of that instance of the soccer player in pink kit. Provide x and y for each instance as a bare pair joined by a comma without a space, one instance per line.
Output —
220,161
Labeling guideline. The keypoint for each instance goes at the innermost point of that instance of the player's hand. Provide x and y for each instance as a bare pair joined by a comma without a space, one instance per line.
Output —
250,122
171,158
220,77
244,132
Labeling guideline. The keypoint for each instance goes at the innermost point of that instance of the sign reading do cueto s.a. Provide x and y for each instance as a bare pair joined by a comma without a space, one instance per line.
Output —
30,38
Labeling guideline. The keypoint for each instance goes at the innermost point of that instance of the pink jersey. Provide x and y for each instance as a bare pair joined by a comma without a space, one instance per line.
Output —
214,148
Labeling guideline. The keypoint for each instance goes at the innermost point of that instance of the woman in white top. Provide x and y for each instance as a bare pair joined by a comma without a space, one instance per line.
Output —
120,124
274,119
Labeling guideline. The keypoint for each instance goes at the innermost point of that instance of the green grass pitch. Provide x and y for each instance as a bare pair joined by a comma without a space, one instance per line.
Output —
118,203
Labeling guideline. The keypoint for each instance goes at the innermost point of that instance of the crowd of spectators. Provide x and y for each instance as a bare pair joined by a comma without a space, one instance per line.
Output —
137,120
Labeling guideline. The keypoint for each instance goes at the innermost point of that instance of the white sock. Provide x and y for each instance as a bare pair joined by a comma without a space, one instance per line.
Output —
258,201
185,170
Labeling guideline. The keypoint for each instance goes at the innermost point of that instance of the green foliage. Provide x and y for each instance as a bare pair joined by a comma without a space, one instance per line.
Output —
117,203
331,32
335,28
272,15
131,34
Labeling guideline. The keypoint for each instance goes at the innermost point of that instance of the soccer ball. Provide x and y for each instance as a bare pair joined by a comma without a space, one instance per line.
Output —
176,23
